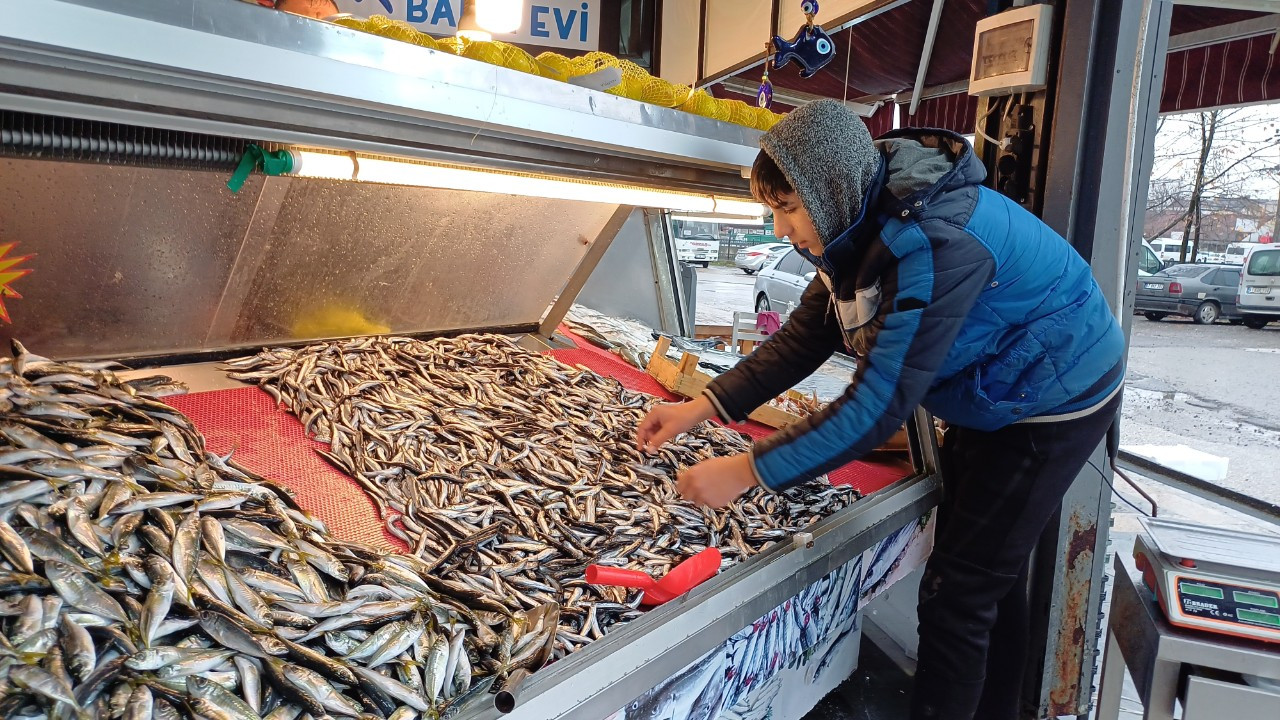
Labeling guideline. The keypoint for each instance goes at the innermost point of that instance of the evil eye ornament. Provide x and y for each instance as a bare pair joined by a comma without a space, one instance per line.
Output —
764,96
812,48
809,7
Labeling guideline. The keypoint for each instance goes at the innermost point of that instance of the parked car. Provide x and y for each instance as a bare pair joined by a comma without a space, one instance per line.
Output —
697,249
1202,292
1259,293
751,258
782,281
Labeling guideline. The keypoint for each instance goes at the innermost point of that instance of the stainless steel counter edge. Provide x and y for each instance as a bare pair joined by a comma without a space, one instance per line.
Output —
610,672
168,54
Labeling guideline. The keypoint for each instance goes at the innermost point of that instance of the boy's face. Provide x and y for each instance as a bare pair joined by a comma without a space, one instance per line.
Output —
791,222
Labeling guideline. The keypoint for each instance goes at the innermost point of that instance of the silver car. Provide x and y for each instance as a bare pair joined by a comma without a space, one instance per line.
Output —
750,259
781,283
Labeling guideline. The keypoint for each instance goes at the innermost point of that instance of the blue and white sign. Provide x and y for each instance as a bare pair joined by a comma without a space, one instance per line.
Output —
569,24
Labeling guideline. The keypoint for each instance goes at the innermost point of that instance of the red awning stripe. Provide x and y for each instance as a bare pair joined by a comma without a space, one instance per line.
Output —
881,121
957,112
1237,72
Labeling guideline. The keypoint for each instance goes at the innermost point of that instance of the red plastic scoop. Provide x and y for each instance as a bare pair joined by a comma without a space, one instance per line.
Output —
682,578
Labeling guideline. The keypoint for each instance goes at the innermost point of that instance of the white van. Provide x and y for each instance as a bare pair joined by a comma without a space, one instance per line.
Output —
1167,249
1237,250
1259,300
1148,262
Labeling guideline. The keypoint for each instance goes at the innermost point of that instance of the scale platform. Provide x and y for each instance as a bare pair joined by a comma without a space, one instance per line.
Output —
1210,579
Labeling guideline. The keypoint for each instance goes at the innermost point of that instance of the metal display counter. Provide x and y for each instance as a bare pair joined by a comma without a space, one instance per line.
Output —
120,122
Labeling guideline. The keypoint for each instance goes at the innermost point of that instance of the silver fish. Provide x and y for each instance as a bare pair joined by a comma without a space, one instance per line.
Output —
14,548
209,696
194,663
78,592
231,635
186,547
38,680
141,704
250,681
437,660
319,689
78,648
247,600
214,539
393,688
153,500
30,620
156,608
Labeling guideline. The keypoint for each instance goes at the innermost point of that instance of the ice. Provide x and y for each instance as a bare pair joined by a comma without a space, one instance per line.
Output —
1211,468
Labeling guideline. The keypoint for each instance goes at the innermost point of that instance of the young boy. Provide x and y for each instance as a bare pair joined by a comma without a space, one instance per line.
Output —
952,297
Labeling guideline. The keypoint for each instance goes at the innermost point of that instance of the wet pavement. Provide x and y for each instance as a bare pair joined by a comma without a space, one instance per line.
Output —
722,291
1214,388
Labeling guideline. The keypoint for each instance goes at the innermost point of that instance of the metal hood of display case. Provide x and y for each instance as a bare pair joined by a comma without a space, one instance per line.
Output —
233,69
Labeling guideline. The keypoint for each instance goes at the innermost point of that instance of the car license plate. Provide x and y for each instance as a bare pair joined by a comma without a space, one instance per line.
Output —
1154,286
1259,290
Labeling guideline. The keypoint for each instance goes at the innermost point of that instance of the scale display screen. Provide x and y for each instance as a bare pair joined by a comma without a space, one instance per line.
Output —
1227,603
1252,598
1201,591
1258,616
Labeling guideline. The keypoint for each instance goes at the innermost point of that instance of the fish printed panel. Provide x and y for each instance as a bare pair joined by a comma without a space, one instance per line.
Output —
783,663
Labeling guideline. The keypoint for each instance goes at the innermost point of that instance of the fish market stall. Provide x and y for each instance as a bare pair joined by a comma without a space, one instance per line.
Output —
393,466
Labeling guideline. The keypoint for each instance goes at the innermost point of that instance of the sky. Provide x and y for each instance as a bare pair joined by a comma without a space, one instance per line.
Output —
1247,136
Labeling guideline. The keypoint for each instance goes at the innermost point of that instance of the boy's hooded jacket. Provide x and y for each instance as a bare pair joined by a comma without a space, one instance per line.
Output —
951,295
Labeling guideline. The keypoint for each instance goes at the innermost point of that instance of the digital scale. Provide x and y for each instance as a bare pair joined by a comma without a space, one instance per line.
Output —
1220,581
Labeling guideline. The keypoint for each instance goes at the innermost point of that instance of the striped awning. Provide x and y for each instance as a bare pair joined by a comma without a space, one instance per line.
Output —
1229,73
957,112
881,121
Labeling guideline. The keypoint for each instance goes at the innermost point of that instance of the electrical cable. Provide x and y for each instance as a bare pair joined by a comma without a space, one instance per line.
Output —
1113,452
977,127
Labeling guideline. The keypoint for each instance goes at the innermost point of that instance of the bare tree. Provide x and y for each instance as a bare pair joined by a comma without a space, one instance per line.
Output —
1212,153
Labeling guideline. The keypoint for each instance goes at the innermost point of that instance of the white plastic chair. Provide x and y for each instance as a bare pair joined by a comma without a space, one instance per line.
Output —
744,330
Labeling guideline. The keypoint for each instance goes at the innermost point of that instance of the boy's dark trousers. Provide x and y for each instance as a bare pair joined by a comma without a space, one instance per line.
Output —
999,490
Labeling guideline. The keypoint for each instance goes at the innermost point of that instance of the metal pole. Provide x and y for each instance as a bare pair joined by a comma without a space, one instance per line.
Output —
586,266
1111,68
934,18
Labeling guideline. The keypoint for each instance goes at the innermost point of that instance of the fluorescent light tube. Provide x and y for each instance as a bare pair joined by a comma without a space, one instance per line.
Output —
311,164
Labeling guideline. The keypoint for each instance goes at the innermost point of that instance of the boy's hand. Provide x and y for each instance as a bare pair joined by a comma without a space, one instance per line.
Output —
670,419
718,481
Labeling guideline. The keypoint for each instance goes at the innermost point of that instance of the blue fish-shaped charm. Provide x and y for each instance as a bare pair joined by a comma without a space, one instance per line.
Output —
812,47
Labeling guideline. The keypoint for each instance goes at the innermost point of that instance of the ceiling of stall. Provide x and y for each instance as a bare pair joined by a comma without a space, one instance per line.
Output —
881,56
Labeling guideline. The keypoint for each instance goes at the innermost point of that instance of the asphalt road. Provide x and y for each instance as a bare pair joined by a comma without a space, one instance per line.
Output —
1212,388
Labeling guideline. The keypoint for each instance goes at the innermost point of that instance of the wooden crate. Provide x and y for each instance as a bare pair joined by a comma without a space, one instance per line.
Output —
686,380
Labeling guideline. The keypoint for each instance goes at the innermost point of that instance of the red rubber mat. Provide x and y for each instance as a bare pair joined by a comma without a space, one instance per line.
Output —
271,442
865,477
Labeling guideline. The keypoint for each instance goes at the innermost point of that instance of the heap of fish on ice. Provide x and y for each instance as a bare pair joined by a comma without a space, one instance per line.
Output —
509,471
142,576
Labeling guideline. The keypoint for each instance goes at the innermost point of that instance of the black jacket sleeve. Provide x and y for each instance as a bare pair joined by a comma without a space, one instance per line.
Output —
808,338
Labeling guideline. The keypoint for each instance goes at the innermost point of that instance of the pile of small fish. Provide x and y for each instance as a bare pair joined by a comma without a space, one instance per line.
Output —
142,576
508,472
